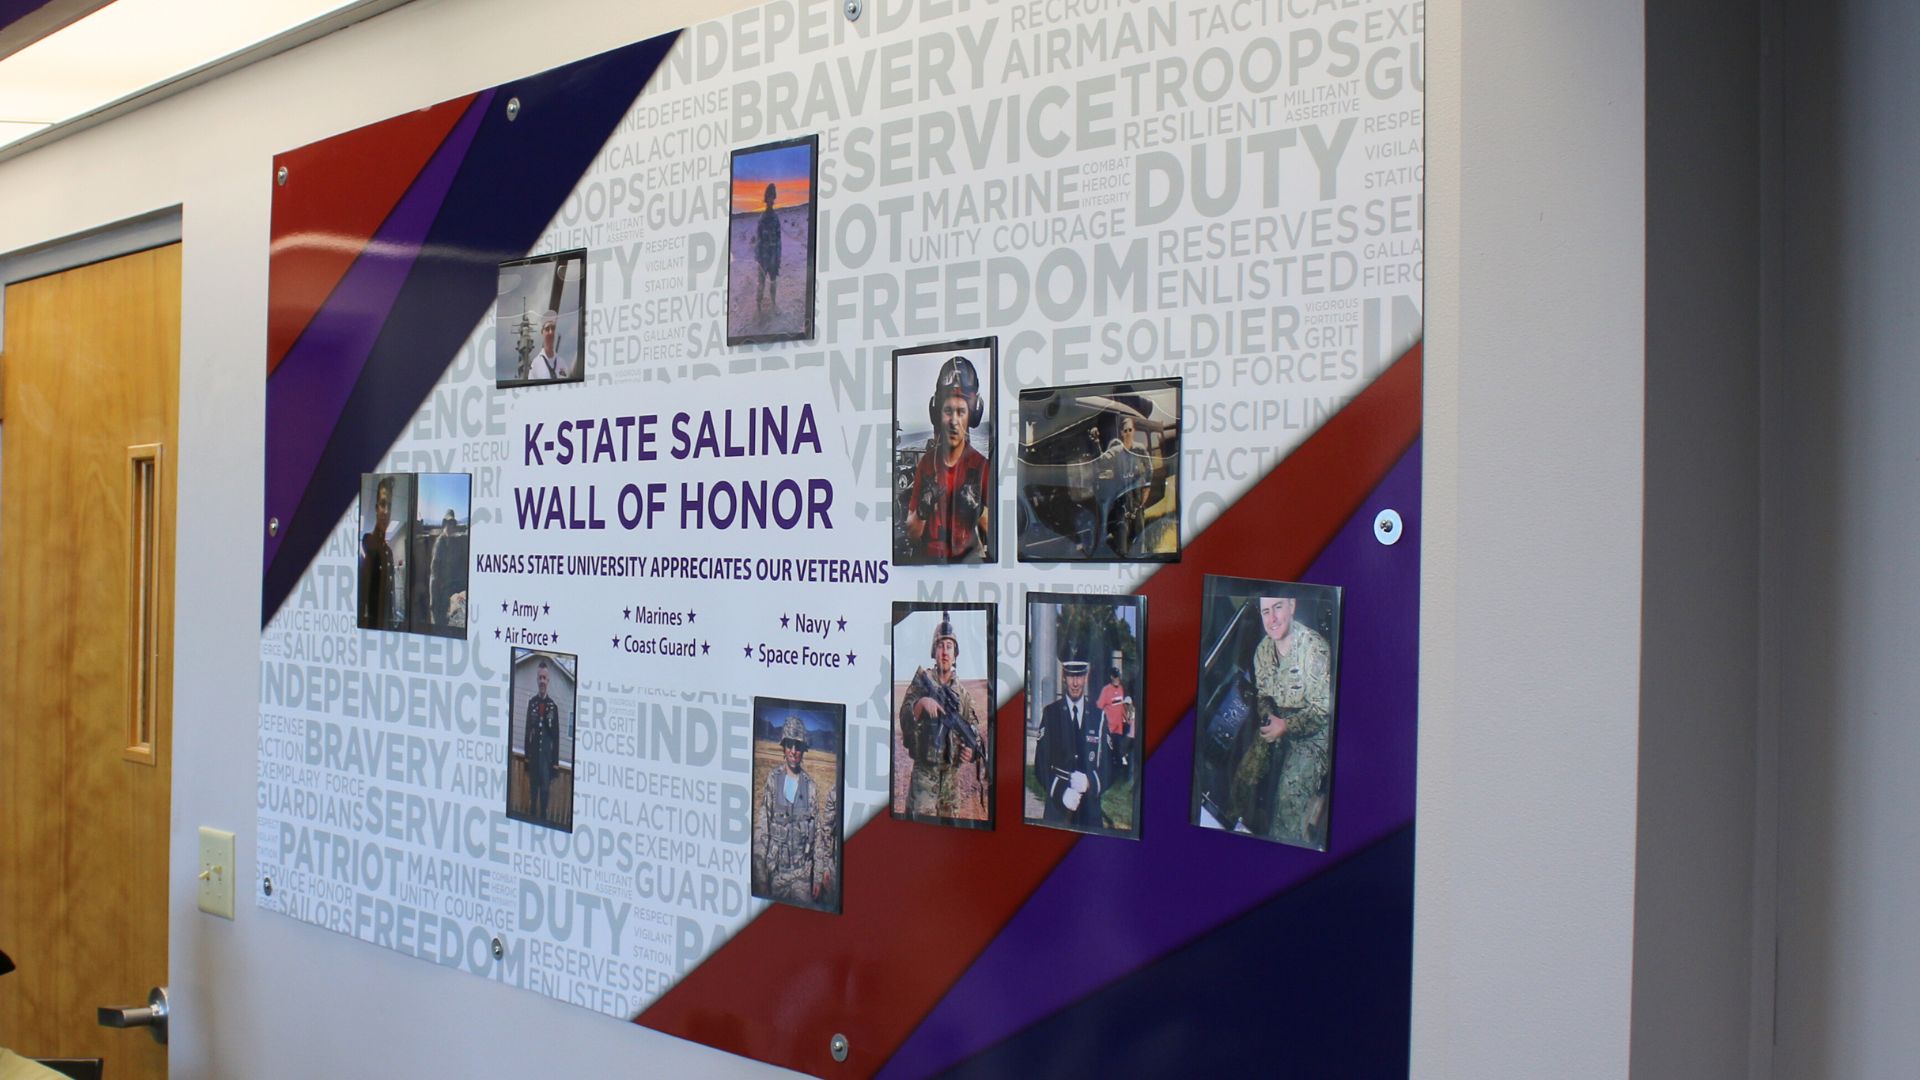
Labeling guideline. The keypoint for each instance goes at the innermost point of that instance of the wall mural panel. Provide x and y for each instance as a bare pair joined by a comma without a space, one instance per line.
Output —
887,545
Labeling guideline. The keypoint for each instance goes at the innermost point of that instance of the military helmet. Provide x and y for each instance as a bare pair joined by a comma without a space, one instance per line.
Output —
944,630
793,731
957,376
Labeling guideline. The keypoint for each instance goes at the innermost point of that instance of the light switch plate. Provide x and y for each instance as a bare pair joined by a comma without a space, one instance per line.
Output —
216,872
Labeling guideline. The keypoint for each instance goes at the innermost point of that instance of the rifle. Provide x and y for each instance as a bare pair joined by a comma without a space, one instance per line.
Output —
948,698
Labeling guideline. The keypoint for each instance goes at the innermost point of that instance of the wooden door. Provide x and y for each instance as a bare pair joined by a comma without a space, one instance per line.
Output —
87,449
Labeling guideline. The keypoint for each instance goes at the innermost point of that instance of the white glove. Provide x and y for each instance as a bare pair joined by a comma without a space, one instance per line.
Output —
1072,800
1078,783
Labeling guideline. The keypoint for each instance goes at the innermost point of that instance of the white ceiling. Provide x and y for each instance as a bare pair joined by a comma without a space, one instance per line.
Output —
132,45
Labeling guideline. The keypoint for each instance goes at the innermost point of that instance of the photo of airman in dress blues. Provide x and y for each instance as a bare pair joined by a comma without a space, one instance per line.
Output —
1081,775
540,738
943,703
798,787
1269,663
944,456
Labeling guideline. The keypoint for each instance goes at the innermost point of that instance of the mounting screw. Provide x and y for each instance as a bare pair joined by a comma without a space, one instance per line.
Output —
513,109
853,15
499,949
280,177
839,1044
266,886
273,526
1387,527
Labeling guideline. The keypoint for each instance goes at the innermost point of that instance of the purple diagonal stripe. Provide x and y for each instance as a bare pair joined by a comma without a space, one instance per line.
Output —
1112,906
307,391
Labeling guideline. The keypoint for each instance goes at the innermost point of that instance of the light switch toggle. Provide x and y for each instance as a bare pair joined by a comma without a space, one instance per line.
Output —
216,877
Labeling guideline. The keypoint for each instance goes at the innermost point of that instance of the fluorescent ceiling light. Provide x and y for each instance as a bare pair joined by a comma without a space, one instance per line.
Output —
134,45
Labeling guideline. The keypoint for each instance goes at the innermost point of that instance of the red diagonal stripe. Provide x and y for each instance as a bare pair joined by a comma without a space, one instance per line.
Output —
921,902
337,193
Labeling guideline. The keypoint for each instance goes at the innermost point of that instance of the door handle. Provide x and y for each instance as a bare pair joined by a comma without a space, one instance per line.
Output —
152,1015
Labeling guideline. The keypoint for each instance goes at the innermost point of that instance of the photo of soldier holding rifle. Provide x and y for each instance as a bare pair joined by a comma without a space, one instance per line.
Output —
945,744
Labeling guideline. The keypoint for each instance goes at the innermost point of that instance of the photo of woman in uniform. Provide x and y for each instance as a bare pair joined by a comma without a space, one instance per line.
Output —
797,794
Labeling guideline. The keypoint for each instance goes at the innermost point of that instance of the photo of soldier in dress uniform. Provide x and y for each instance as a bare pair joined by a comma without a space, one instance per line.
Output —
540,738
798,788
1263,753
1084,731
1099,473
943,704
770,241
944,456
540,320
385,548
441,540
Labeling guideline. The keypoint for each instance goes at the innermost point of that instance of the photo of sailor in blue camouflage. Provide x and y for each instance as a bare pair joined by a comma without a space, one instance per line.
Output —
943,706
1082,773
798,788
1269,668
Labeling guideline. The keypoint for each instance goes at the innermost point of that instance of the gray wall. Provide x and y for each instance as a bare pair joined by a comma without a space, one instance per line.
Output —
1530,605
1842,587
1693,944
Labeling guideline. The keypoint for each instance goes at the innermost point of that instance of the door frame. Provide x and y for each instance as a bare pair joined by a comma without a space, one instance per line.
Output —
142,232
156,228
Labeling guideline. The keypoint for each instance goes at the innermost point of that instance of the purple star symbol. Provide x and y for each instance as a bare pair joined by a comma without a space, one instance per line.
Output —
616,641
496,633
626,613
503,605
850,659
843,622
783,622
748,649
705,648
546,609
691,614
